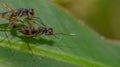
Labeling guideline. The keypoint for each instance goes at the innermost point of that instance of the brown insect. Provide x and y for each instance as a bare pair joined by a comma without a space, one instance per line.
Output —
27,29
41,30
32,32
14,15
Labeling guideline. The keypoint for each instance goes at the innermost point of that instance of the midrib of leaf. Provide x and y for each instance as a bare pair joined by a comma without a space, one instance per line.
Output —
55,55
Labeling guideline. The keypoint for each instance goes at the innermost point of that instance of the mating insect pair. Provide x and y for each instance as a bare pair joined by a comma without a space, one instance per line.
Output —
27,28
14,15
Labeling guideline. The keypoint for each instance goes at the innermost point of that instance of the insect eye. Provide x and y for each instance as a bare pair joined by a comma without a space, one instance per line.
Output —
50,31
31,11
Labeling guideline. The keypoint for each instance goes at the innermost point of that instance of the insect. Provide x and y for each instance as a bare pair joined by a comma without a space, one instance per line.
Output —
27,29
32,32
14,15
41,30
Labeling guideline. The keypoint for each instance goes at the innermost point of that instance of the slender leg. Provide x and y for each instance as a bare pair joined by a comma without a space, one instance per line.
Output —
29,46
6,6
32,54
38,20
3,16
9,42
3,30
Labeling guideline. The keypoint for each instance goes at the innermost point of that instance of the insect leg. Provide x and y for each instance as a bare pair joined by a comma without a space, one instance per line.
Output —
4,37
29,46
6,6
38,20
9,42
32,54
3,16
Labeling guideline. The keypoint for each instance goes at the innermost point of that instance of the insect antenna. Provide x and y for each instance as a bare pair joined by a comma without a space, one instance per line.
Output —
55,34
71,34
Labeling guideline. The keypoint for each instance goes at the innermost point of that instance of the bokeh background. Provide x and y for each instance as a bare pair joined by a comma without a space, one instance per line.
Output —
101,15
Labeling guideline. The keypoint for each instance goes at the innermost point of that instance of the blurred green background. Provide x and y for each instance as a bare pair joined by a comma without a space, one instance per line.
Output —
102,15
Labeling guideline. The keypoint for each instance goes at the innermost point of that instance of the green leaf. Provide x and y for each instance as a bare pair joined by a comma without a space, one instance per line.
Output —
85,49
